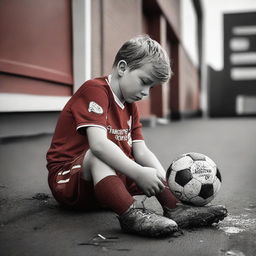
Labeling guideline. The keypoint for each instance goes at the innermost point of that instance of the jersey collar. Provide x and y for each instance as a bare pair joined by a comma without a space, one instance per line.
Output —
118,102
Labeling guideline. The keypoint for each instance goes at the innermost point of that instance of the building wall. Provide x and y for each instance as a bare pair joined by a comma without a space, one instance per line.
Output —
189,85
40,40
185,84
118,26
234,86
112,26
36,49
97,43
171,11
35,64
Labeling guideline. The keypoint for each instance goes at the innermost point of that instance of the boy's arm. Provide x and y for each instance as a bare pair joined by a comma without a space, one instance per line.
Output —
147,178
145,157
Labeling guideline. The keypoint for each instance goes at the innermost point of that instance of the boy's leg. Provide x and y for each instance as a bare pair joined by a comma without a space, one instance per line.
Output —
189,216
109,189
69,189
111,192
166,198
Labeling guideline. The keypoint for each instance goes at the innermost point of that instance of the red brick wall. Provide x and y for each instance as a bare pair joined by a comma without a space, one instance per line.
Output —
122,20
188,84
171,10
36,47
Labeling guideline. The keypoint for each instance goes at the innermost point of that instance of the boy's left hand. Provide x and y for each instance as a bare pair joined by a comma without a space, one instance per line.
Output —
160,175
147,179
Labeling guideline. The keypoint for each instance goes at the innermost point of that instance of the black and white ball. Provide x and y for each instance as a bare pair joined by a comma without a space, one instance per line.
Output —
194,179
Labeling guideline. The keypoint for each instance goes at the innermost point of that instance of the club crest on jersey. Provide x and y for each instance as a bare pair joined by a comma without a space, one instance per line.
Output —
94,107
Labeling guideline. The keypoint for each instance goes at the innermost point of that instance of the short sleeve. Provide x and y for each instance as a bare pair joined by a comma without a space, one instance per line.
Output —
90,107
137,126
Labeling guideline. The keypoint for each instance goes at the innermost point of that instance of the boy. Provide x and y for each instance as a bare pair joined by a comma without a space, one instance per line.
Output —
98,157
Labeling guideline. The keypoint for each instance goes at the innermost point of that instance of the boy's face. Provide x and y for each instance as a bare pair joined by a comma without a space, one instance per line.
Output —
135,84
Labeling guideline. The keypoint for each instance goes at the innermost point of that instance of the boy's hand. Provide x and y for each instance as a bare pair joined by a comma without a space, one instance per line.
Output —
149,181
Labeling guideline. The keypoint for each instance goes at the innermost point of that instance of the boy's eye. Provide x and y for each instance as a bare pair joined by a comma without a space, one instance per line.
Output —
146,82
143,81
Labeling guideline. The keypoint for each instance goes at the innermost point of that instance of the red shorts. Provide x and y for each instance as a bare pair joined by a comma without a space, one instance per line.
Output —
70,190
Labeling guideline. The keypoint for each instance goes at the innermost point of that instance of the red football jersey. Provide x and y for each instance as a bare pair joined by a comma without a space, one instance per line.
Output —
94,104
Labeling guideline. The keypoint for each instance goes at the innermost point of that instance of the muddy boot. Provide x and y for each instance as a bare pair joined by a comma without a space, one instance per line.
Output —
192,216
146,223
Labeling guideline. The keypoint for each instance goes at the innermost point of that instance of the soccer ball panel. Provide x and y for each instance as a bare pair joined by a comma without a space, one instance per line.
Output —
210,161
183,177
171,180
218,174
203,172
196,156
175,187
192,188
198,201
169,171
182,163
206,191
209,199
216,185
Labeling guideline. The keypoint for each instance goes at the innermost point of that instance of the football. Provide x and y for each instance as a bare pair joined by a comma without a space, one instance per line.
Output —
194,179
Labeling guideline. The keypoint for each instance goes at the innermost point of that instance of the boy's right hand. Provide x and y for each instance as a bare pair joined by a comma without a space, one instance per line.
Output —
147,179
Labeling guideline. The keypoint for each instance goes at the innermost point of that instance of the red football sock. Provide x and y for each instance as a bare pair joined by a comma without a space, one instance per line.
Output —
166,198
111,192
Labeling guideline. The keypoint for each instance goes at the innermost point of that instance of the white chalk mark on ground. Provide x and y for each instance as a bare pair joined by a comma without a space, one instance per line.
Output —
234,253
232,230
234,224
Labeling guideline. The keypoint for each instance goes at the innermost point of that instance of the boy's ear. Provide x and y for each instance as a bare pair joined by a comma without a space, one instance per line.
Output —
121,67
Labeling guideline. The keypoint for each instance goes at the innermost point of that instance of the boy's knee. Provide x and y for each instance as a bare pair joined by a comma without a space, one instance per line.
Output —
95,162
97,168
90,160
90,164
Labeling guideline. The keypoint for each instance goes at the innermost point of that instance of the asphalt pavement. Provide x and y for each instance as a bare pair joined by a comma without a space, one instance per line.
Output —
32,223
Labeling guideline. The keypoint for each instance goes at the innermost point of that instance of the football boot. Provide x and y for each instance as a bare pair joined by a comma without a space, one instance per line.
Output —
192,216
146,223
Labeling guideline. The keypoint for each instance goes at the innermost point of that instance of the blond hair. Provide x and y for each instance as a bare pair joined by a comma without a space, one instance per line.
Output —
141,50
